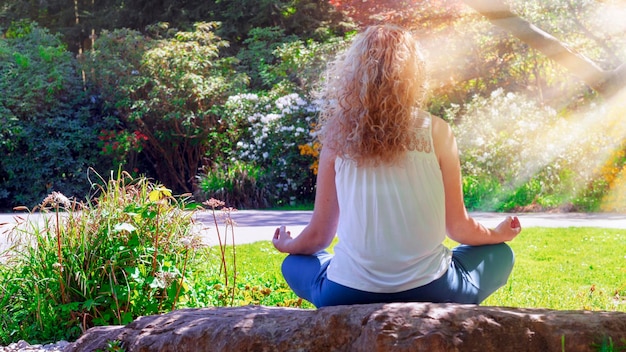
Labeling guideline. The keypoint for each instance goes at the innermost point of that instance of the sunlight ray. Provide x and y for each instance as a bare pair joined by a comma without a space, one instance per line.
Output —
588,139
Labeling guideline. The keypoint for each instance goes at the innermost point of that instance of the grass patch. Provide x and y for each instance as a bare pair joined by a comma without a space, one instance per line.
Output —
258,278
556,268
297,206
567,268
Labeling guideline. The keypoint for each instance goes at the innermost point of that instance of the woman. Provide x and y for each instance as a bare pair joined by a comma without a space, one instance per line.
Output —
389,186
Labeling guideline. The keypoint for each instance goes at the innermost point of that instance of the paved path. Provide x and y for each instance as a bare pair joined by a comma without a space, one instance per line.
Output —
254,225
257,225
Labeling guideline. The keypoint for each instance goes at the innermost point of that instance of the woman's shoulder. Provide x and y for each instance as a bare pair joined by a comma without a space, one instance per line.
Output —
440,126
437,126
443,137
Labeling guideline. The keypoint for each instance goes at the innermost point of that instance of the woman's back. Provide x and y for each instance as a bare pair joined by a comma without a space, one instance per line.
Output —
391,221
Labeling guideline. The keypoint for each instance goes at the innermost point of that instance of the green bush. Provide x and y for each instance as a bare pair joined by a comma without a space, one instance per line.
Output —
128,252
167,87
236,183
300,63
480,192
276,127
517,155
270,58
257,55
48,135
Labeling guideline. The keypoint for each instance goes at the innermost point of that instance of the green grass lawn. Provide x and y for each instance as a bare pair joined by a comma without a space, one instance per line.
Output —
571,268
556,268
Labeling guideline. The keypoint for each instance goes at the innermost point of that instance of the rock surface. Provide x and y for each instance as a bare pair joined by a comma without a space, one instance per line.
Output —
374,327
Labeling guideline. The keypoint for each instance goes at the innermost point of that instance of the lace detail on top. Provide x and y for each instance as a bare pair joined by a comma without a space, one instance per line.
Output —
423,135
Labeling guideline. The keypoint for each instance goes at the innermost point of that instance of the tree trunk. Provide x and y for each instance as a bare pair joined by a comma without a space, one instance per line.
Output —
605,82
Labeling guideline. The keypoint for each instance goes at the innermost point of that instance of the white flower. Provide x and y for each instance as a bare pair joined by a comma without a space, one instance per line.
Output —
270,117
186,242
251,119
124,227
239,97
496,93
251,96
56,199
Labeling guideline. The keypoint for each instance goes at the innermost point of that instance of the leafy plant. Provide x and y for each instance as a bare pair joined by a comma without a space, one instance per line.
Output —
167,88
236,183
47,133
123,146
277,126
299,63
113,346
256,56
517,155
128,252
608,345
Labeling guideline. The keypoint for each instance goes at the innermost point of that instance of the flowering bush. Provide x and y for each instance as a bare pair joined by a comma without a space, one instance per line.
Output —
165,86
123,146
515,153
275,127
132,250
607,192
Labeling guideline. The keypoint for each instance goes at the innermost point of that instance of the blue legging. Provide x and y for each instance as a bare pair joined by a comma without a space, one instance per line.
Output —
475,272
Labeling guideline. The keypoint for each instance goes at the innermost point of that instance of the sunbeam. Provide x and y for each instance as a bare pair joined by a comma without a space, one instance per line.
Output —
579,142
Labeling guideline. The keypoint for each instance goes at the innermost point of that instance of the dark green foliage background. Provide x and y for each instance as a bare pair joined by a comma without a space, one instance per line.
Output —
71,71
49,126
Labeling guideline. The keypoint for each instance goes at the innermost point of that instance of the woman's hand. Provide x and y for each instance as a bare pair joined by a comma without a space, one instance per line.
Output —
509,228
281,239
321,229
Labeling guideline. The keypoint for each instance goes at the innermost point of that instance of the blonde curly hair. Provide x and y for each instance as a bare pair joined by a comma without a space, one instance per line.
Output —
372,95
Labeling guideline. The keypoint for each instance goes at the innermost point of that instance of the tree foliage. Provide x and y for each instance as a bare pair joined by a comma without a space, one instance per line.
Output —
423,14
80,21
166,87
606,82
48,133
154,92
442,15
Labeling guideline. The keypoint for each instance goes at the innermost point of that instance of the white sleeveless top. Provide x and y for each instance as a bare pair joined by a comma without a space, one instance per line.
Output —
391,222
